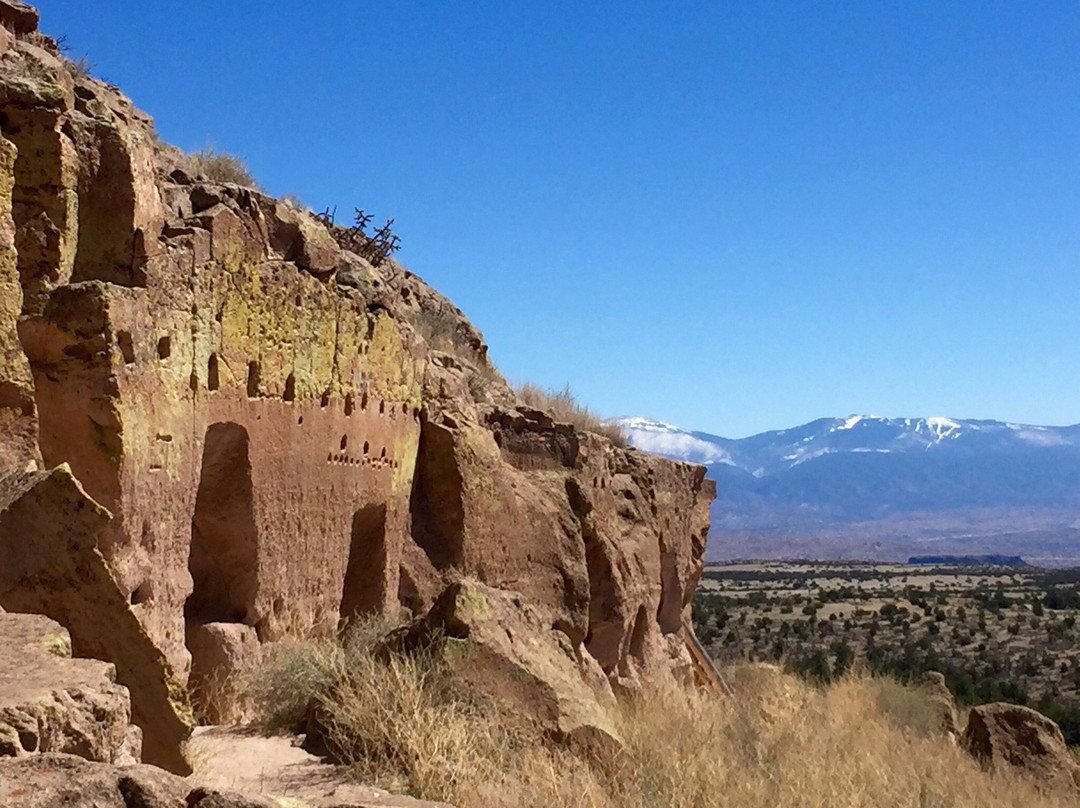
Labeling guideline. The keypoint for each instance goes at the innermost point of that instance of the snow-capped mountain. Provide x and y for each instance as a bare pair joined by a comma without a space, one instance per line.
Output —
867,468
659,438
771,453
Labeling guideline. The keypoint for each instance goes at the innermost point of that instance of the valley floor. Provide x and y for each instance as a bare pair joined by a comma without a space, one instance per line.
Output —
998,633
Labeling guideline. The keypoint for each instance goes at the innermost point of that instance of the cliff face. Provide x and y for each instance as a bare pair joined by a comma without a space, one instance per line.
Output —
262,429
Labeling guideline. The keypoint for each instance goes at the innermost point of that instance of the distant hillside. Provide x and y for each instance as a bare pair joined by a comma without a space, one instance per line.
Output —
887,487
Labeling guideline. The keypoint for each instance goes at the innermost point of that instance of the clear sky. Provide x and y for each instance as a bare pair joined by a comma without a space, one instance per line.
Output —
731,216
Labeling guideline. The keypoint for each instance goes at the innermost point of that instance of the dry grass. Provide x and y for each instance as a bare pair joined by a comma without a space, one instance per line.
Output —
396,720
787,744
861,742
81,66
221,166
907,707
564,407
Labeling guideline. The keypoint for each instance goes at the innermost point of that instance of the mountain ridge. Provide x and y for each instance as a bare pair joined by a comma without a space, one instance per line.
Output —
754,452
872,482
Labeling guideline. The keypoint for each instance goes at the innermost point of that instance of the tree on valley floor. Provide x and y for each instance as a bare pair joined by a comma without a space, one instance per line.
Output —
843,657
815,666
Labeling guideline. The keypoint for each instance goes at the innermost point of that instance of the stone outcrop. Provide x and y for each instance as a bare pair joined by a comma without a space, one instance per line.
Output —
1008,737
50,565
499,643
222,654
932,684
50,702
219,429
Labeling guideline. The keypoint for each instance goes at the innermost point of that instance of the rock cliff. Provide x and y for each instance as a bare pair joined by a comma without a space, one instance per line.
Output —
211,413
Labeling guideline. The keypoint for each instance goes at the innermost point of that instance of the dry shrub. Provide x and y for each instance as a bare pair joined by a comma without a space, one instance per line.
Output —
295,201
907,707
218,699
293,678
784,743
221,166
81,66
564,407
399,721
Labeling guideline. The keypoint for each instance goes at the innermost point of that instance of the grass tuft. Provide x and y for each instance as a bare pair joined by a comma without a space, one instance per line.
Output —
564,407
221,166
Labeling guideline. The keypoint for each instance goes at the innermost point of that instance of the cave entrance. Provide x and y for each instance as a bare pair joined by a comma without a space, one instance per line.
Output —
365,575
436,503
224,539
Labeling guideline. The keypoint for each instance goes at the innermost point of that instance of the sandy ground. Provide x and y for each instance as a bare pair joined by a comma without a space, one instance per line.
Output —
237,759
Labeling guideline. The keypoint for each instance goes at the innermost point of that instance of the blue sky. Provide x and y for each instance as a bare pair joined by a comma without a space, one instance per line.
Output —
731,216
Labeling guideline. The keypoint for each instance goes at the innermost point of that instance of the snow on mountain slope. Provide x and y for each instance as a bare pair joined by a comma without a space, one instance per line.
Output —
664,439
860,485
771,453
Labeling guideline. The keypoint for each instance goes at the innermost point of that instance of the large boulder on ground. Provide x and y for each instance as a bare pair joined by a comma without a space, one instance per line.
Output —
1007,736
506,648
50,702
932,684
50,564
221,653
47,781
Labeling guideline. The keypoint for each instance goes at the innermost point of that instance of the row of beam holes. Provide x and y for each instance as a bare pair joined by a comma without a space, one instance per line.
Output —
602,482
356,461
253,376
127,347
213,381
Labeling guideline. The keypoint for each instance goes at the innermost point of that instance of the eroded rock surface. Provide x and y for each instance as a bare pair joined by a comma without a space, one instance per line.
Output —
1010,737
50,565
50,702
506,647
219,428
52,780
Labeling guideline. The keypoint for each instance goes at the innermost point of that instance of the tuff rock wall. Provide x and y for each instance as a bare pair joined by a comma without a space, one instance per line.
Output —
213,416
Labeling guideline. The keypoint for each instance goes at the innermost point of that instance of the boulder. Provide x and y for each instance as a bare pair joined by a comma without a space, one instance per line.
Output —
1007,736
220,655
50,702
50,564
506,648
50,780
317,252
932,684
298,236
